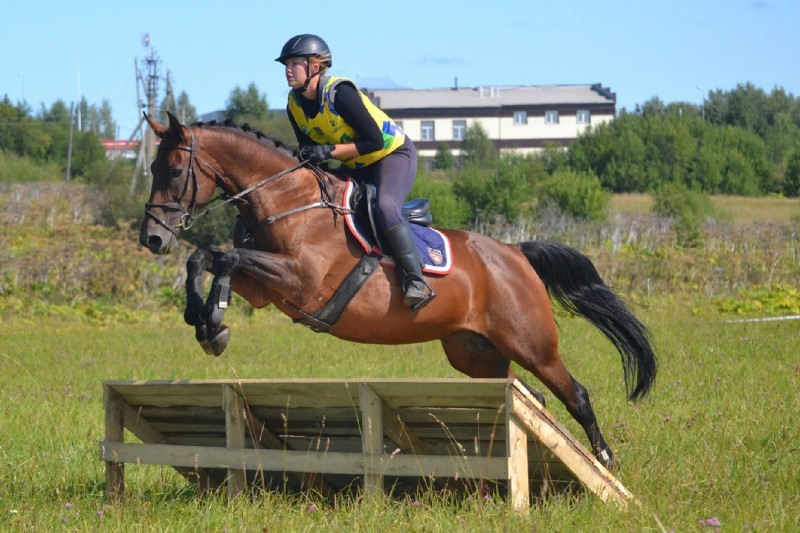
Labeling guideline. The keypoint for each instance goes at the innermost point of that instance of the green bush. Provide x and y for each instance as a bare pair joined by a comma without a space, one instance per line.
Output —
688,208
578,194
504,189
16,169
447,209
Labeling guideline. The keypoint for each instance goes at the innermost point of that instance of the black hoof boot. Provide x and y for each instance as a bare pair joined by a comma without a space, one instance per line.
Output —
607,459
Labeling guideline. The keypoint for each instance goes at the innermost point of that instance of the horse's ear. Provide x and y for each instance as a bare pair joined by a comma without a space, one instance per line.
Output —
175,126
159,129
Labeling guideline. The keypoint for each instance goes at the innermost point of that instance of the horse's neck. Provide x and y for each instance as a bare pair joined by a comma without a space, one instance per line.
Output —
248,162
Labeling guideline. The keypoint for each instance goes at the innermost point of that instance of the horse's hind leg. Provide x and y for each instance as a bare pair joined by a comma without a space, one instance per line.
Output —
544,361
475,356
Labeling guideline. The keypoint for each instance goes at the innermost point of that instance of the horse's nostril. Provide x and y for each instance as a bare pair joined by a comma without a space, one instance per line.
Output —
154,242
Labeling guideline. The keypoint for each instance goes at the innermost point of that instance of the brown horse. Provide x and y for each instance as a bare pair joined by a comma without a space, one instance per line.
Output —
293,251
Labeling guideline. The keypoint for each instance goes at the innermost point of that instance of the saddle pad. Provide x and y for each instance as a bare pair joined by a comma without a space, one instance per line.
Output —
433,245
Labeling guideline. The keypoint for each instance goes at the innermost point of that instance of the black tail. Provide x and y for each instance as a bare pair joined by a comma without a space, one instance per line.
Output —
571,278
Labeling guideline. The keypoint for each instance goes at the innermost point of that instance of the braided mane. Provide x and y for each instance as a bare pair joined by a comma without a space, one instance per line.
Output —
255,134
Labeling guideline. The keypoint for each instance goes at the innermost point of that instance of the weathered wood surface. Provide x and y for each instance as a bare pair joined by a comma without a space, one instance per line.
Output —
332,434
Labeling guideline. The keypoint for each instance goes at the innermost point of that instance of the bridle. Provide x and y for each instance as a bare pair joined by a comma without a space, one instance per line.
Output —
188,216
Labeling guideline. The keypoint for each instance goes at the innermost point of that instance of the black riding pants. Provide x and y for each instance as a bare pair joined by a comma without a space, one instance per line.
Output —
393,177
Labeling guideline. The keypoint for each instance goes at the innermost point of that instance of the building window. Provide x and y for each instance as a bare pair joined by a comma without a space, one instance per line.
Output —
551,117
583,116
459,130
520,118
427,132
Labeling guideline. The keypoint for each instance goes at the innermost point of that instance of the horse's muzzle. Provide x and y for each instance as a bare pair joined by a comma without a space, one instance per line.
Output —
154,241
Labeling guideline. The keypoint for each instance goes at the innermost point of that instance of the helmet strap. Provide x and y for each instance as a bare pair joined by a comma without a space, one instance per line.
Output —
309,76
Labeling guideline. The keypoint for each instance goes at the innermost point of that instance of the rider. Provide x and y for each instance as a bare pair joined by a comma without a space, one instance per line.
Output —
332,119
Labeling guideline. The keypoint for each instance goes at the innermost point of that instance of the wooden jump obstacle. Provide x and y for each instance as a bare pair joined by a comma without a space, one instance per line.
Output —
333,435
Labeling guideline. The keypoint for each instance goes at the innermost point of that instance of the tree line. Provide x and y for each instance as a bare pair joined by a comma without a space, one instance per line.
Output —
740,142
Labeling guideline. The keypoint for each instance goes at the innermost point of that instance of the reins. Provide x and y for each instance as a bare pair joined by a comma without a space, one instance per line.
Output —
188,218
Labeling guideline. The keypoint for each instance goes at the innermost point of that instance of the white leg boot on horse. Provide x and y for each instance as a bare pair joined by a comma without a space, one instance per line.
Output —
409,266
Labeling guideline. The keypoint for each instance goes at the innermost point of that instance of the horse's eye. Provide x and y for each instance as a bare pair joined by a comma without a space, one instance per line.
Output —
175,173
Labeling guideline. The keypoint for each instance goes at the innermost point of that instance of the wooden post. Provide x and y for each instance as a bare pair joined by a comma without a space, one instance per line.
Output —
517,452
372,441
235,427
115,432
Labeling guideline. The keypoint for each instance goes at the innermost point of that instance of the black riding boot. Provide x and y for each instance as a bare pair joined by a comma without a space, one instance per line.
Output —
409,265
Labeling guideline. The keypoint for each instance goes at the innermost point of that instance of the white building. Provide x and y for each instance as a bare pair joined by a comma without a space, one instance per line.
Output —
518,118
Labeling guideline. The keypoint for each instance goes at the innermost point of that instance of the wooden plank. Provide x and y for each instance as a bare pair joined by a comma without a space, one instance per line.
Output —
299,461
235,436
462,428
539,423
115,432
468,394
517,452
262,435
372,441
146,432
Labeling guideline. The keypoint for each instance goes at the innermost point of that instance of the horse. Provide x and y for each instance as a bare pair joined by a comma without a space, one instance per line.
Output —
292,250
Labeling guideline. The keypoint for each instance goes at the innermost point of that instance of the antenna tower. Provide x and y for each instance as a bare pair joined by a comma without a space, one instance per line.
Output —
148,84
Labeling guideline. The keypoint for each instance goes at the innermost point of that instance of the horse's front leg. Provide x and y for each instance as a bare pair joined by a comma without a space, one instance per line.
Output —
216,334
200,261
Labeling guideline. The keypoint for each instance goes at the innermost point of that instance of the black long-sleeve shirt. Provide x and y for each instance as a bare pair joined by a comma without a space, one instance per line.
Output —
347,102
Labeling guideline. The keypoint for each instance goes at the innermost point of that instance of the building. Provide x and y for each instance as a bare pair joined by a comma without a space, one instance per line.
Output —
516,118
118,148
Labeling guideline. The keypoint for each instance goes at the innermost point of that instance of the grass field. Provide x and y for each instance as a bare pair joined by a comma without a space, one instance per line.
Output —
743,209
716,441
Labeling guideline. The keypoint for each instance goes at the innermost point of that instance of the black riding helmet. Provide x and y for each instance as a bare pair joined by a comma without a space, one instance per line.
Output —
306,45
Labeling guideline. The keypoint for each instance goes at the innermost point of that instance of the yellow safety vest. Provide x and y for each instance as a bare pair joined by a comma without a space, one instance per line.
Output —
328,127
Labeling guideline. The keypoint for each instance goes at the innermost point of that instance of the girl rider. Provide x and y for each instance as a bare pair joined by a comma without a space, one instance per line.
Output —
332,119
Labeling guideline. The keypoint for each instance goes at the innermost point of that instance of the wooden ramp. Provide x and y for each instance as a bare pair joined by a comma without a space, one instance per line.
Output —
339,435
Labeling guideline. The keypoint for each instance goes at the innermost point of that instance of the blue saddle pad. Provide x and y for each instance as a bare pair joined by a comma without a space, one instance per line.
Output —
433,245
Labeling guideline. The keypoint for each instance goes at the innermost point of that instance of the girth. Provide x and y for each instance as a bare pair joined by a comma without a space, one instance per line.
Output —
324,319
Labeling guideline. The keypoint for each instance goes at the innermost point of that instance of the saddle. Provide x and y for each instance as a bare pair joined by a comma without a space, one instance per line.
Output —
433,245
359,203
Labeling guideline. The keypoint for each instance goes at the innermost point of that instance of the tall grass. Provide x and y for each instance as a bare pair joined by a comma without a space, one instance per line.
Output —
715,442
717,439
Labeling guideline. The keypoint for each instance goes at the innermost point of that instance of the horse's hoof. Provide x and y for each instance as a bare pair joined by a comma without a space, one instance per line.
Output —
606,458
200,333
206,347
220,341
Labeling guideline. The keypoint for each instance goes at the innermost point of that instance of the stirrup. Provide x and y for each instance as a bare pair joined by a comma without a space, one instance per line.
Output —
415,303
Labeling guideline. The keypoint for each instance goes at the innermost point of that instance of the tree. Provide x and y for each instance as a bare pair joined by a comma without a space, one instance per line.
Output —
792,185
246,105
108,128
185,111
444,159
477,148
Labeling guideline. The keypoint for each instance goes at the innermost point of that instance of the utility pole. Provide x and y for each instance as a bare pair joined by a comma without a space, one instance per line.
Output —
68,175
149,84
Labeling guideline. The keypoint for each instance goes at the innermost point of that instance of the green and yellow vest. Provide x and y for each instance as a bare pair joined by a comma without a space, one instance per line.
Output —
328,127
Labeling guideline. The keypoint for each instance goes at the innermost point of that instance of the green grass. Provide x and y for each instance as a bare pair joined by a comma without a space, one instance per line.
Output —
716,439
743,209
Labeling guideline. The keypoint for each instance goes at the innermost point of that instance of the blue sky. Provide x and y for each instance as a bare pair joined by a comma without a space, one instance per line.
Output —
52,50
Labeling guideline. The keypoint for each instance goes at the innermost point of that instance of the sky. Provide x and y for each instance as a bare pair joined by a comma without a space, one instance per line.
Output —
675,50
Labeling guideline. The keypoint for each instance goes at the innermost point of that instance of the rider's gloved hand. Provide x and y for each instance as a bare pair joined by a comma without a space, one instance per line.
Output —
316,153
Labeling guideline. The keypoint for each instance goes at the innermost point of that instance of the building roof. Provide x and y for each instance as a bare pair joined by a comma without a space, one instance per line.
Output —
487,97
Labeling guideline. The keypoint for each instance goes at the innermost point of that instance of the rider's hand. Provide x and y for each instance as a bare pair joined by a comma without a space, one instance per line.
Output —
316,153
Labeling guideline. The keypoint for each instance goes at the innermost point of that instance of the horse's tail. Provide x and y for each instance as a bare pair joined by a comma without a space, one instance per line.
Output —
571,278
